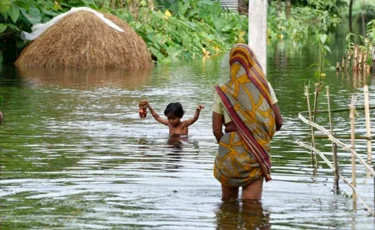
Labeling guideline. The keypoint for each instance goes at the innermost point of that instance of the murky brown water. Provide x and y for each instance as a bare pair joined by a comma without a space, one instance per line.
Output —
76,155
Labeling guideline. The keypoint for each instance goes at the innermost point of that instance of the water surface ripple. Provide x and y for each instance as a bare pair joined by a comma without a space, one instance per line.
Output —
76,155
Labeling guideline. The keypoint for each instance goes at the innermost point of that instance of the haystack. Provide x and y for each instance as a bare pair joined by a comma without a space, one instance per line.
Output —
82,40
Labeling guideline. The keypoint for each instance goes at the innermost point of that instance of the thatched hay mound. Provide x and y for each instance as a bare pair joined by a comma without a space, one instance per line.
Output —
81,40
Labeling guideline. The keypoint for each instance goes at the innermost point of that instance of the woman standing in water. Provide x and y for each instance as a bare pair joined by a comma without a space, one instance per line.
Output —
246,106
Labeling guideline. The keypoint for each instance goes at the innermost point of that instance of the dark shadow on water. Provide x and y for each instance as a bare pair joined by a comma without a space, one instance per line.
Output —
173,142
173,147
247,214
176,142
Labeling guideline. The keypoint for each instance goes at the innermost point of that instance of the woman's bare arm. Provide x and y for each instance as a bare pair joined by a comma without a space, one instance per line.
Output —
217,125
278,117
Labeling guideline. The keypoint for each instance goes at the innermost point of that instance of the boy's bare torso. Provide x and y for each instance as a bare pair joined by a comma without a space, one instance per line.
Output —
180,129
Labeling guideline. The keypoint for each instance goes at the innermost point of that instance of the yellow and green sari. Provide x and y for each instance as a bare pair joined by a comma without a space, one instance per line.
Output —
244,155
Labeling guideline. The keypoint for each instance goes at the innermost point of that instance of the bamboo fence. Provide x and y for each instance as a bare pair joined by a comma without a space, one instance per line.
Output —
334,165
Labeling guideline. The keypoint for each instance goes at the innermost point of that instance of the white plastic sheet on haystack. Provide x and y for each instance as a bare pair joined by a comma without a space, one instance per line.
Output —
39,28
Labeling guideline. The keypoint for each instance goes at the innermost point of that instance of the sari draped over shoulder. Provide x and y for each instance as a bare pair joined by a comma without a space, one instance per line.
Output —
244,155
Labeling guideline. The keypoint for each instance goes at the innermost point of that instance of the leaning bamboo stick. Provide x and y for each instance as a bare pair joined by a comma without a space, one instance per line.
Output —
352,129
368,125
341,177
338,142
341,110
342,136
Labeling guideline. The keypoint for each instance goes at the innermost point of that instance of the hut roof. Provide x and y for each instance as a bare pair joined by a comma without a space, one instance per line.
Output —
82,40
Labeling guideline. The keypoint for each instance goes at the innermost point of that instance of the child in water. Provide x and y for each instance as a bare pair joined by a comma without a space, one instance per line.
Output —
174,112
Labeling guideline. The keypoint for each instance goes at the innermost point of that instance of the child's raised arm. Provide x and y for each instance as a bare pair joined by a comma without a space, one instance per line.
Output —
196,116
156,115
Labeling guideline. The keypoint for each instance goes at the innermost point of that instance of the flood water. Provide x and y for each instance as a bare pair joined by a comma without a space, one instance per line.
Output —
74,153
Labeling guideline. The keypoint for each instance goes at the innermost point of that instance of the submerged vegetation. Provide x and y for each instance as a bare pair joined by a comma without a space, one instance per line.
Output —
180,29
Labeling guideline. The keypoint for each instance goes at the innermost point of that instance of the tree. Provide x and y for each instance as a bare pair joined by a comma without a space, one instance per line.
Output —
350,15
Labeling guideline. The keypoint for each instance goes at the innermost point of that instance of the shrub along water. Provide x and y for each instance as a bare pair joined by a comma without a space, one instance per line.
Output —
176,29
197,28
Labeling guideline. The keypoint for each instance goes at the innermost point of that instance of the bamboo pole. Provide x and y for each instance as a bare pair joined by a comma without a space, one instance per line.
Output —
352,128
334,146
316,94
340,110
355,58
312,128
368,125
368,208
342,136
338,142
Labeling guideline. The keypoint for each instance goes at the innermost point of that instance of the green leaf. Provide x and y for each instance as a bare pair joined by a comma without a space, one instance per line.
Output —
33,15
327,48
5,7
182,8
323,38
14,13
1,98
3,27
49,12
226,28
23,4
13,27
20,43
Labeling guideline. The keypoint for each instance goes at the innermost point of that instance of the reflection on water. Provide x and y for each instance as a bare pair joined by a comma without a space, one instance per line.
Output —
246,214
356,79
74,153
119,78
175,141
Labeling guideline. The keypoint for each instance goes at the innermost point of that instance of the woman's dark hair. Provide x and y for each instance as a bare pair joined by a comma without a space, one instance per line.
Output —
174,109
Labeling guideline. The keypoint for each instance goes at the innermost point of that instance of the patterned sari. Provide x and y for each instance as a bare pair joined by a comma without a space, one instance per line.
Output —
244,155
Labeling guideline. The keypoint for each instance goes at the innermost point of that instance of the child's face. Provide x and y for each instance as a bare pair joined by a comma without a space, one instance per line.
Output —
173,120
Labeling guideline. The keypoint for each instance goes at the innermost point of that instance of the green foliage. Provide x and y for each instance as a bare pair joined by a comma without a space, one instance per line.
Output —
195,28
370,32
302,22
321,41
367,7
333,7
19,15
188,29
365,44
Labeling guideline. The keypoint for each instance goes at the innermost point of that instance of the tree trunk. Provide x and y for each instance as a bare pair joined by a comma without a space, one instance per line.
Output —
363,21
242,7
350,16
288,6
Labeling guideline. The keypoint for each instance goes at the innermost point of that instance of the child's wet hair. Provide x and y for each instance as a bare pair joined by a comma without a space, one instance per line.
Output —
174,109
